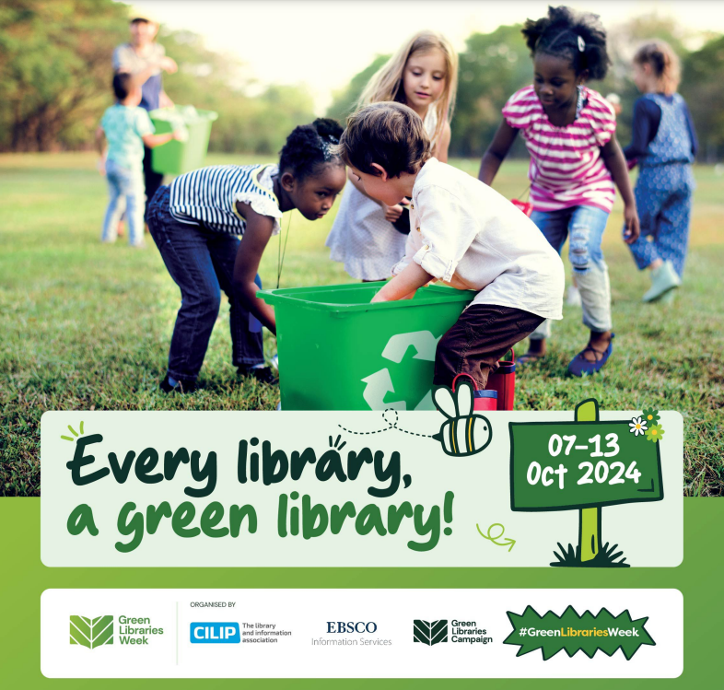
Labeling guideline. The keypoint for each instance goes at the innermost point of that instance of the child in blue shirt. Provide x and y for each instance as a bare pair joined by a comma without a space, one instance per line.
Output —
664,145
126,128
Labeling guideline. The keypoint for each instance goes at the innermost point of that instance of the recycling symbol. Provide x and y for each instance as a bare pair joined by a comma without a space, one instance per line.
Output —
379,384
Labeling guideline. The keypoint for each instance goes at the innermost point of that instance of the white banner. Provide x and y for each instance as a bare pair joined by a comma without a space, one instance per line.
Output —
356,489
361,633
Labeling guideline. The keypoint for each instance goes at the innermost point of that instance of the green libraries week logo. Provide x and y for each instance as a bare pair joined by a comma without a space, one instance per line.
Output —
99,631
91,632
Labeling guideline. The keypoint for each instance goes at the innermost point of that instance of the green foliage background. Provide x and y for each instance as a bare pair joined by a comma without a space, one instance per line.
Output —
55,71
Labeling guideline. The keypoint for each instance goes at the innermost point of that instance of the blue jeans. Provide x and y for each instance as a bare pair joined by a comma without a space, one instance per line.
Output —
583,226
126,190
201,262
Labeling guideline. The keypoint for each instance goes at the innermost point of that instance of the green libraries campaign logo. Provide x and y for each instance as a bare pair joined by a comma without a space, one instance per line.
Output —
430,633
91,632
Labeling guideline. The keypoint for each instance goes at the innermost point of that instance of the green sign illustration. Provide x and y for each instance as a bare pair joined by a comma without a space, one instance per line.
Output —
585,465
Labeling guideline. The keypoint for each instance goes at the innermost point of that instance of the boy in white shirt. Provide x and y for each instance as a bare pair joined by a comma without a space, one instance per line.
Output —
464,234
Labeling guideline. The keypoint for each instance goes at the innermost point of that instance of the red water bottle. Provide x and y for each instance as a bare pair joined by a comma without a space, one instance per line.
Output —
483,400
503,383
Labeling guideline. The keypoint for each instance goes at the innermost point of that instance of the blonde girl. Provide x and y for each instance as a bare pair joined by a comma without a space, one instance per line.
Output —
422,74
664,145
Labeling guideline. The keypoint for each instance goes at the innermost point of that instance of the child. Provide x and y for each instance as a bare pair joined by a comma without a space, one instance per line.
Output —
569,130
464,233
127,129
196,223
664,142
145,59
422,74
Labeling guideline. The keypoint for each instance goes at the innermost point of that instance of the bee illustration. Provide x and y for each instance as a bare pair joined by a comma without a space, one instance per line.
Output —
464,432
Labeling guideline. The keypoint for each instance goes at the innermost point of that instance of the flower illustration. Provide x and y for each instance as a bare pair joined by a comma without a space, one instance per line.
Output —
638,426
654,433
651,416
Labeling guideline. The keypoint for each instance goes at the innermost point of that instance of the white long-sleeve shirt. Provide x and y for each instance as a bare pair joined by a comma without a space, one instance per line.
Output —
467,235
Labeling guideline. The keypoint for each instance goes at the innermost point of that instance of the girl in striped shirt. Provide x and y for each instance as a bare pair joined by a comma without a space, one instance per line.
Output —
212,226
569,131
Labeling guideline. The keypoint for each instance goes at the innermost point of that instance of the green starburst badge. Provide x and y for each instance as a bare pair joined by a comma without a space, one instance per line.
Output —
572,633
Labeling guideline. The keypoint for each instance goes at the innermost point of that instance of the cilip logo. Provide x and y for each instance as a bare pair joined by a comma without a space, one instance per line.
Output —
91,632
215,633
430,633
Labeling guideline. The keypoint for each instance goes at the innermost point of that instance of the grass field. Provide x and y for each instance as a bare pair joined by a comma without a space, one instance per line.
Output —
87,326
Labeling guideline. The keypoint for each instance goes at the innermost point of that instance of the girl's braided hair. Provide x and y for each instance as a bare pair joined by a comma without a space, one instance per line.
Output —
578,37
309,147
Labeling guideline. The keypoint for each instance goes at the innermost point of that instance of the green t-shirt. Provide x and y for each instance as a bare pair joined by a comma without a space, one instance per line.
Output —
124,126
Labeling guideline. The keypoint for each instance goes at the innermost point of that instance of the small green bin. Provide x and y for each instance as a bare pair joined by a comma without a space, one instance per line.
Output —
339,352
178,157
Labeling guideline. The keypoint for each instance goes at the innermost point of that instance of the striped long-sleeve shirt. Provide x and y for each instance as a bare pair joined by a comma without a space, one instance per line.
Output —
209,195
566,167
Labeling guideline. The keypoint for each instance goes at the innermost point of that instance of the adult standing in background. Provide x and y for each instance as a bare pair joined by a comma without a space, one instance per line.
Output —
146,60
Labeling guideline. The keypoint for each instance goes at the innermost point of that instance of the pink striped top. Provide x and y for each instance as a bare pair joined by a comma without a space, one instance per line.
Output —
566,168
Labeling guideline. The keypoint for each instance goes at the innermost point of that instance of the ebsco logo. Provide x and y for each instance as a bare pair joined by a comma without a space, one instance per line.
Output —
351,627
215,633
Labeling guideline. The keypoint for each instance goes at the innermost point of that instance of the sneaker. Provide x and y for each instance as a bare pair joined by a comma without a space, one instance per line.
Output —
580,366
261,374
663,280
573,297
182,386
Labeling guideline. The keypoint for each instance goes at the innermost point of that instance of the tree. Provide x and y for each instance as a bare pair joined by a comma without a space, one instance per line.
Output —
703,91
55,64
492,67
55,72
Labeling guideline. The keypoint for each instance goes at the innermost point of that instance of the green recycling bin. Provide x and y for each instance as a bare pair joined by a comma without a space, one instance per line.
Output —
339,352
178,157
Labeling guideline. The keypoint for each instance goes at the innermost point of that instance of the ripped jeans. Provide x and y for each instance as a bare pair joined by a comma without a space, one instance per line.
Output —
583,226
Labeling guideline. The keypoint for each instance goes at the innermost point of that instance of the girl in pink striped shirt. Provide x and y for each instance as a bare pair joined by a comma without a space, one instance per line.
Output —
570,132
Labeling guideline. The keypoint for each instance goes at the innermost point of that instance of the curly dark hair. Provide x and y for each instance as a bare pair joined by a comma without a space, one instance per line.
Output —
309,147
579,37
